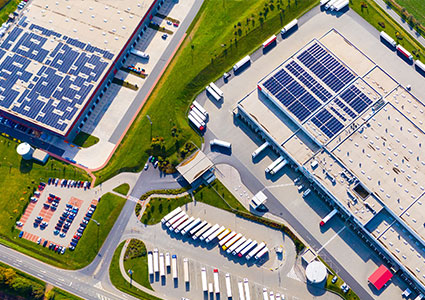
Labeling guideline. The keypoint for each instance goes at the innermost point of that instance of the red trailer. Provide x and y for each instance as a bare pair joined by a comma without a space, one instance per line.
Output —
404,52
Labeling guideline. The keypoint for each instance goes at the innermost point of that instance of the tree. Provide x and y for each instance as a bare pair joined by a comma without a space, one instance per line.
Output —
38,292
21,286
9,275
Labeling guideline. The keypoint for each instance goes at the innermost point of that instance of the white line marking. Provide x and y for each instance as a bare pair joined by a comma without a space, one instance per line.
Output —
330,240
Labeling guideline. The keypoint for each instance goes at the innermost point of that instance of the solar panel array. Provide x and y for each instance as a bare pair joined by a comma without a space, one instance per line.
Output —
327,68
44,83
336,114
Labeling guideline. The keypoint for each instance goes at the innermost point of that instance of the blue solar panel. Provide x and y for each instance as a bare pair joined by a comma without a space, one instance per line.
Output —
327,123
326,67
338,114
356,99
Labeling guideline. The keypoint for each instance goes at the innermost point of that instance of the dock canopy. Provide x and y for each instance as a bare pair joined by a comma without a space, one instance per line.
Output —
380,277
194,166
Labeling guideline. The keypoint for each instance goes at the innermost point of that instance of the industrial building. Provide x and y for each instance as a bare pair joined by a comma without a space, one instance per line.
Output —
58,57
357,136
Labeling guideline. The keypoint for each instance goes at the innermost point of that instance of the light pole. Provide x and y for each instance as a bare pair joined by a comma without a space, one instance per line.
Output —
98,225
150,121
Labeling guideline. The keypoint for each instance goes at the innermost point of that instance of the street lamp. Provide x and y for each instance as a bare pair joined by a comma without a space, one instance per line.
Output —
150,121
98,225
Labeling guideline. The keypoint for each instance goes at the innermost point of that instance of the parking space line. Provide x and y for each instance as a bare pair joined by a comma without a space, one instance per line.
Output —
330,240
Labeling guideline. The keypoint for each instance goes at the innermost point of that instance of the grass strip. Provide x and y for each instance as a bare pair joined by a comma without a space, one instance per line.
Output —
122,189
120,283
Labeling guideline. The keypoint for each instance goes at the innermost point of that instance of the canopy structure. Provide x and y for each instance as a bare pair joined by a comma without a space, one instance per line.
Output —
194,166
380,277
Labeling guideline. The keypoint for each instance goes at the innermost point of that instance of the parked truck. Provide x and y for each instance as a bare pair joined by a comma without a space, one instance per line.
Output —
184,224
174,266
289,26
199,107
404,52
209,232
139,53
274,164
244,61
150,263
215,234
161,265
278,167
246,286
216,89
197,228
190,226
255,250
236,245
213,93
216,283
260,149
170,215
241,291
228,286
224,144
186,270
241,247
204,280
248,248
155,261
328,217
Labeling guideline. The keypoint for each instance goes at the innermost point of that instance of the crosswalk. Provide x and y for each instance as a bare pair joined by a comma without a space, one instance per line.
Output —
101,297
132,198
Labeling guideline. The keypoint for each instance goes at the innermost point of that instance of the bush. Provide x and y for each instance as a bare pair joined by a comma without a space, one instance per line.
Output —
138,209
382,24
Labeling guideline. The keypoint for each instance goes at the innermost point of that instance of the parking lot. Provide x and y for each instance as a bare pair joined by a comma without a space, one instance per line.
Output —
58,214
278,274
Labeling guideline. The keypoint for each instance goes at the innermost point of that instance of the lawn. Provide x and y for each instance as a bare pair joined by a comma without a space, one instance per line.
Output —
336,287
220,36
120,283
122,189
6,8
58,294
219,196
136,260
85,140
106,214
415,7
157,208
377,17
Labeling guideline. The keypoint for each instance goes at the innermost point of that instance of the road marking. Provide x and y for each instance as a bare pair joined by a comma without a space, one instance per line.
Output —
101,297
98,267
277,185
330,240
132,198
98,285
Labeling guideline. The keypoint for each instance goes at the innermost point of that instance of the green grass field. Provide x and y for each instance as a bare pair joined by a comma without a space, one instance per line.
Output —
136,260
6,8
375,15
122,189
336,287
58,294
120,283
159,207
85,140
208,51
415,7
219,196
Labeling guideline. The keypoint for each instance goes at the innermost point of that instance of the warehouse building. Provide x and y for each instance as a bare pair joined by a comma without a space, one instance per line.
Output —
58,58
357,135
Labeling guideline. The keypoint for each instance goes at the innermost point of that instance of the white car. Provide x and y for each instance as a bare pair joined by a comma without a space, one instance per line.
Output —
146,166
345,288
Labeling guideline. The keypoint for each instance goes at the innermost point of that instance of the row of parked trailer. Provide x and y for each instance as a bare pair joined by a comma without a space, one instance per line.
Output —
401,50
198,116
334,5
162,264
230,241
